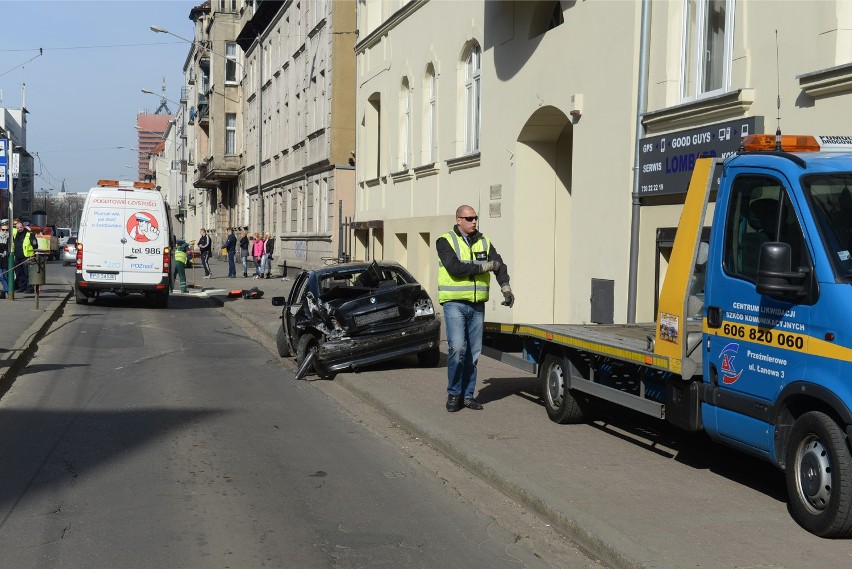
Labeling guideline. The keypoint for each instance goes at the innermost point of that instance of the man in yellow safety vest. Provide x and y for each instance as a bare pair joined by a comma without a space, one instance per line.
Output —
466,259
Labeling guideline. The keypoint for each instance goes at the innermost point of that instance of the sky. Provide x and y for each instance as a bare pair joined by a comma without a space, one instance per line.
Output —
83,92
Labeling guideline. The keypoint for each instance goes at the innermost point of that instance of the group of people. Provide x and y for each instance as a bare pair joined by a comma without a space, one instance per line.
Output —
21,244
257,247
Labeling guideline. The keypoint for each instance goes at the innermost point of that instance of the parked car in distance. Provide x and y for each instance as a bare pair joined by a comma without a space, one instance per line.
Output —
68,252
347,316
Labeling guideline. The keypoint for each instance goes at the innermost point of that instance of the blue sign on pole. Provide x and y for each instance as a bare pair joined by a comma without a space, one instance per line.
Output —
4,165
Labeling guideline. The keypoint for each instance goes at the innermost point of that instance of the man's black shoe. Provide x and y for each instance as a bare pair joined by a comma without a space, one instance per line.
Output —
454,403
472,404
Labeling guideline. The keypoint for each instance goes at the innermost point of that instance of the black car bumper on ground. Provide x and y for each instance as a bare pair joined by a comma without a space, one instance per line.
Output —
354,353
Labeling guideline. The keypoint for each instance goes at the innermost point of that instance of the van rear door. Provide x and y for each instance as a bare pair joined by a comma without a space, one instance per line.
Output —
104,232
145,238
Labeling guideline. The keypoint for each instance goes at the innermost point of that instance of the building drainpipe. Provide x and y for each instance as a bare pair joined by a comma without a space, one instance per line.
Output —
259,127
641,105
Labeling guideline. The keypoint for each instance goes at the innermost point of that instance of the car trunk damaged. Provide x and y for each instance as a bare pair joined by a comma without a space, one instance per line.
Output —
351,316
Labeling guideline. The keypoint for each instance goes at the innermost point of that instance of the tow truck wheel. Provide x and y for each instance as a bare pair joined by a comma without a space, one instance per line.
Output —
560,404
819,476
281,342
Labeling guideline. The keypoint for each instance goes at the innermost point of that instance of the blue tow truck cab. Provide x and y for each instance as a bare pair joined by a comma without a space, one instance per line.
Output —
753,337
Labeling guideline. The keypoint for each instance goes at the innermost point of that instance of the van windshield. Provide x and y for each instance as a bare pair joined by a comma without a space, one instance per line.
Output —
831,201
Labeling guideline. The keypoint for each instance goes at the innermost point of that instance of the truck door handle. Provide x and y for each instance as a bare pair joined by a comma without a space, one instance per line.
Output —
714,316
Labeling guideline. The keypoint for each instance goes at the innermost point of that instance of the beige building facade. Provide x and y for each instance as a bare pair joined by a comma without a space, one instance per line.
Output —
571,127
299,124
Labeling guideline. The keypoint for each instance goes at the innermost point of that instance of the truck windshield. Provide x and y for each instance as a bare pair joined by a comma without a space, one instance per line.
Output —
831,201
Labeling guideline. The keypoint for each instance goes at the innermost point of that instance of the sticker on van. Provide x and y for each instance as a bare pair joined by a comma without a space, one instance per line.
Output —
143,227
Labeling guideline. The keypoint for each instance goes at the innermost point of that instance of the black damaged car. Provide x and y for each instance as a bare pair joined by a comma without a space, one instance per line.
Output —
344,317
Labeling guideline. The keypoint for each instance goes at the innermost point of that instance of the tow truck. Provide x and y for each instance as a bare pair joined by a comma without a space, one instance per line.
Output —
752,341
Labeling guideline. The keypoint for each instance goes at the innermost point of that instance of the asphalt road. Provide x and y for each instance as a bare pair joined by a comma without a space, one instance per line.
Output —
171,438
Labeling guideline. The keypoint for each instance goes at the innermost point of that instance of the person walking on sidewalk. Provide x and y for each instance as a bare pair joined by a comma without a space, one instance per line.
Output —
230,247
244,251
180,264
25,245
466,260
4,257
269,245
205,245
258,252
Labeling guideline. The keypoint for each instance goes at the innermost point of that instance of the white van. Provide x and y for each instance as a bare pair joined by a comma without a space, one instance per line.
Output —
125,243
62,234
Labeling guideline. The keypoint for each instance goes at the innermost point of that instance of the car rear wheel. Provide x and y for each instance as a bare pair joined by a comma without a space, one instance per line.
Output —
281,342
429,358
819,476
308,345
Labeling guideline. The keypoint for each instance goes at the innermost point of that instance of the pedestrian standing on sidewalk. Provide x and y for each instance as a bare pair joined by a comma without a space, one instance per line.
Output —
4,257
269,245
466,260
180,264
258,252
244,251
230,247
205,245
25,245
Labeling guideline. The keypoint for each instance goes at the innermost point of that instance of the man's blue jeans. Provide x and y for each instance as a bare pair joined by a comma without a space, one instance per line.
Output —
463,321
232,269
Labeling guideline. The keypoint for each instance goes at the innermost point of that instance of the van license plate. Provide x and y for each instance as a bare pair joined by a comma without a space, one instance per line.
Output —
102,276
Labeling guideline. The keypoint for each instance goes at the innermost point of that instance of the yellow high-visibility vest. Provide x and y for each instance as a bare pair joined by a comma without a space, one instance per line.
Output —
180,256
472,288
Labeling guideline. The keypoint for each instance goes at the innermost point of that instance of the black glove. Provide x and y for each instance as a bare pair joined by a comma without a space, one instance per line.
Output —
508,297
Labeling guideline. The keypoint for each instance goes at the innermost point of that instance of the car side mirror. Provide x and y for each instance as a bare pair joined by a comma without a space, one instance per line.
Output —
279,301
775,277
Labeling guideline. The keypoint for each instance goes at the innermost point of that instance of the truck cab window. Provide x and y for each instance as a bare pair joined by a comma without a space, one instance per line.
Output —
760,212
831,203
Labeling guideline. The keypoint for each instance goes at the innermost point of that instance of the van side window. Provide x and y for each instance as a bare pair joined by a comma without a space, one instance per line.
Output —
760,211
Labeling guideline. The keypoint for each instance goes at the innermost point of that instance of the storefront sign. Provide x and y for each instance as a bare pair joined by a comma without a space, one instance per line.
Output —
666,161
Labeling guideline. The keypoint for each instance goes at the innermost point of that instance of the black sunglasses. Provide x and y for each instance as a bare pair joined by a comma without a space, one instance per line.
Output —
470,217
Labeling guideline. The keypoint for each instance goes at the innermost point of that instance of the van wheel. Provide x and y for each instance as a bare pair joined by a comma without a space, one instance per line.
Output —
161,300
281,342
80,297
562,407
819,476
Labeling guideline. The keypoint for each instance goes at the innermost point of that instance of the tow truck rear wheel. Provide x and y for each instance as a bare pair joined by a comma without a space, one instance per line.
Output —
819,476
562,407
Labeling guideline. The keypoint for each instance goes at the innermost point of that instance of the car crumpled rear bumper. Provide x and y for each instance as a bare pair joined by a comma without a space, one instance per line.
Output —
359,351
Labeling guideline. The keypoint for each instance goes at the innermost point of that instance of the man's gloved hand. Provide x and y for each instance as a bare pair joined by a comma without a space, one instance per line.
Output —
508,297
490,266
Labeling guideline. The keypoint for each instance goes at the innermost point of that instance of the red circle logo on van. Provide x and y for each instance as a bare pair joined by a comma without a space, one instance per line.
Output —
143,227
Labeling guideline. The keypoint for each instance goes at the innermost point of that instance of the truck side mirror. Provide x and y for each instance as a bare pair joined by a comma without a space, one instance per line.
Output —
775,278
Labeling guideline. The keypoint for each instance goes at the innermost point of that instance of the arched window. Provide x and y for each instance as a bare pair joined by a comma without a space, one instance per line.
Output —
472,98
430,117
404,125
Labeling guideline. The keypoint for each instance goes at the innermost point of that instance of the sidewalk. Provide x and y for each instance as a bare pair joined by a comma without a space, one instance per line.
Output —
628,491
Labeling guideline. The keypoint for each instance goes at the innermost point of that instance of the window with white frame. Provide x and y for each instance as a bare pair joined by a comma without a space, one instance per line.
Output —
430,145
404,125
230,62
708,28
230,133
472,98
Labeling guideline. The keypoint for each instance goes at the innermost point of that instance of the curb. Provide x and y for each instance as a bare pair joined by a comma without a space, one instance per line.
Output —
27,344
606,552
